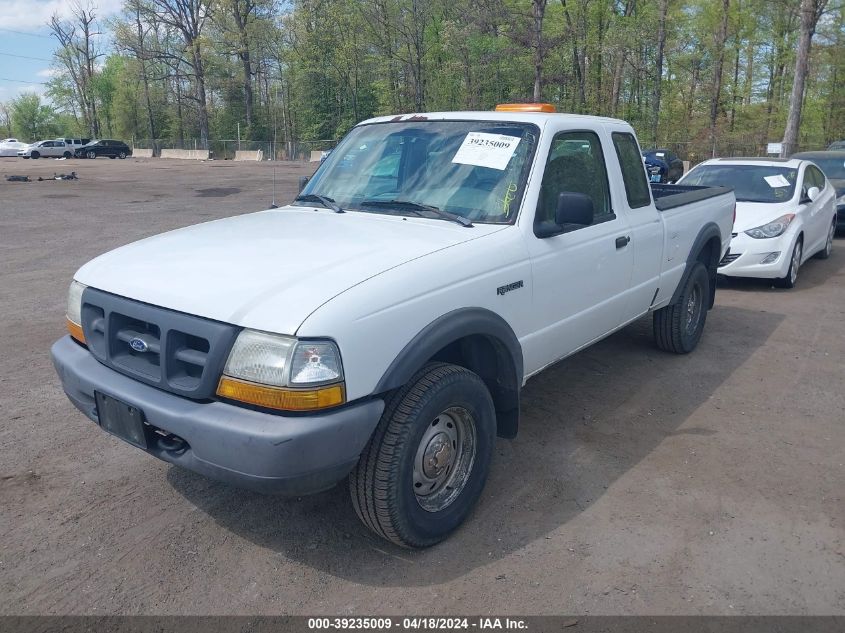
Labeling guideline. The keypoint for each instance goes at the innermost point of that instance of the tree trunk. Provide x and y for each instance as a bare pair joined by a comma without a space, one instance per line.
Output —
658,71
539,11
811,11
716,91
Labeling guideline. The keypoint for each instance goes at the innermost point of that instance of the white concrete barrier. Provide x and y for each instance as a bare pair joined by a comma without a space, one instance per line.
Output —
247,155
315,156
190,154
142,153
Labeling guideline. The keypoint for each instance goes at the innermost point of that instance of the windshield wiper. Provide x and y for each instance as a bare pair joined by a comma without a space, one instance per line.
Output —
418,208
324,200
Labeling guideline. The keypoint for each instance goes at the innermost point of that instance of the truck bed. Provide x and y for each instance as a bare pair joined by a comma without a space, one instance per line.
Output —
671,196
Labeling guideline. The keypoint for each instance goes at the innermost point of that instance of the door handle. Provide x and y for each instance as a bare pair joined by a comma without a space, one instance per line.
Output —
622,242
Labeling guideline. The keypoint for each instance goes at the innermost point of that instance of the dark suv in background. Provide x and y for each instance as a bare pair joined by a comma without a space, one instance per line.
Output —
104,147
663,165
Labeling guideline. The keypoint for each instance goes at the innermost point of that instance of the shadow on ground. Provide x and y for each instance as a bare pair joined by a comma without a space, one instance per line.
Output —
585,423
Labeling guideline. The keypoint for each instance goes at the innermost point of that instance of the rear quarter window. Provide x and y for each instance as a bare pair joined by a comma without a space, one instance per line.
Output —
633,174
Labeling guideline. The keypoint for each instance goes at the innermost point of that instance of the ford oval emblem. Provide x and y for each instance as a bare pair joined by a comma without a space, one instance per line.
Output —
139,344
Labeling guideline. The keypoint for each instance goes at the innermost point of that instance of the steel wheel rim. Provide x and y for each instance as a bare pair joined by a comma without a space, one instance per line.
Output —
444,459
693,309
796,262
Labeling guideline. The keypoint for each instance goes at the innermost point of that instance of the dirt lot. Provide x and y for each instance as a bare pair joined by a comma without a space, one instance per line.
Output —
640,482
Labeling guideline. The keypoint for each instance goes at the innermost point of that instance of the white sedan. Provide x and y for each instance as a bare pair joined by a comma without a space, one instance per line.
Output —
11,147
47,149
785,214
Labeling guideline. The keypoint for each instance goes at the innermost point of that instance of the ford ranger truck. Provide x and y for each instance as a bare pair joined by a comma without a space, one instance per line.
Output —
380,327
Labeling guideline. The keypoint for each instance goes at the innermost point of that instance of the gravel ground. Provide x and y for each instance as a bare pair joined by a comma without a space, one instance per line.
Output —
640,483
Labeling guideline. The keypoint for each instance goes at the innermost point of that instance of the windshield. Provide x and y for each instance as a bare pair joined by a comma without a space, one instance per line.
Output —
832,167
474,169
751,183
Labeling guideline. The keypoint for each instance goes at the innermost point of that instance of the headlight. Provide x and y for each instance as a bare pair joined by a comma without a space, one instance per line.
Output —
73,316
282,372
772,229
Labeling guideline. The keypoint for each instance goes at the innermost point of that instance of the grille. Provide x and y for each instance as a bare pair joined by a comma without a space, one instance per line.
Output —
171,350
727,259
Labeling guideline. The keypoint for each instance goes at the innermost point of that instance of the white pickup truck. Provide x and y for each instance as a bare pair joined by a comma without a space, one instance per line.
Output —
381,326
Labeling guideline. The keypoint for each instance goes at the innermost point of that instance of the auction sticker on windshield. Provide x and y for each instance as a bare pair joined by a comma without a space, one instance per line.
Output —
486,150
776,181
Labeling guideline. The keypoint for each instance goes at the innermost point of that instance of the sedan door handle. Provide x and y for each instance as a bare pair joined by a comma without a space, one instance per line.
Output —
622,242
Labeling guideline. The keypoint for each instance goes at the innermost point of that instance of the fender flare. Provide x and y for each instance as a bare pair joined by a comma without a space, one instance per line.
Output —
705,235
454,326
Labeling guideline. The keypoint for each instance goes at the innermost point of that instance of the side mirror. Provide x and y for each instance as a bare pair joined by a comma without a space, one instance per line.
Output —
303,180
813,193
574,211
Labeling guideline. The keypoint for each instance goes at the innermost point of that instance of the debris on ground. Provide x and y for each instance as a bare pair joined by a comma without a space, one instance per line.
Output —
18,178
71,176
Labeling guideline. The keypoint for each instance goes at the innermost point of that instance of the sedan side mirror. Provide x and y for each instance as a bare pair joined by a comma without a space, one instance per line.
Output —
813,193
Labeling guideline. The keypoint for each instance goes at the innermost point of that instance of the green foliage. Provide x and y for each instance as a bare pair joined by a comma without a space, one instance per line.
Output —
32,120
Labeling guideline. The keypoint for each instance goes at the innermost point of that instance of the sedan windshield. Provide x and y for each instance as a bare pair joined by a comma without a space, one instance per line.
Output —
472,169
751,183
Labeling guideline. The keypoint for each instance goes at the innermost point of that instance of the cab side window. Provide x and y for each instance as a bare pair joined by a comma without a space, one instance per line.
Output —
633,173
575,164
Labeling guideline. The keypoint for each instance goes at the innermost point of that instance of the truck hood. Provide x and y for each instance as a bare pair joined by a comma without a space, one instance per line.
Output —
268,270
753,214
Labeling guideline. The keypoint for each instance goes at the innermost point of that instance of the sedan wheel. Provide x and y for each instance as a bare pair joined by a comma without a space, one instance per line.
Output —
91,154
36,155
828,245
794,265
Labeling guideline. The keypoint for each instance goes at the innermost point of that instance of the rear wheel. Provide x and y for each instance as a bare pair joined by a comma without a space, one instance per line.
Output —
91,154
121,155
426,464
828,245
678,327
794,265
67,154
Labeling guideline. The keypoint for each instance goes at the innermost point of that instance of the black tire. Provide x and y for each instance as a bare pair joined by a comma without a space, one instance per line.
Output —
828,245
35,155
384,483
67,154
678,326
121,155
794,264
91,154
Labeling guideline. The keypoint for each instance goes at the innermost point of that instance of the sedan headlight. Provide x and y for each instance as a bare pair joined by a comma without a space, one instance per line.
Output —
772,229
282,372
73,316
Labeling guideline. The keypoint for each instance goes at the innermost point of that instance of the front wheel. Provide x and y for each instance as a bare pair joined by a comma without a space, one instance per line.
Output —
36,155
794,264
678,326
426,464
91,154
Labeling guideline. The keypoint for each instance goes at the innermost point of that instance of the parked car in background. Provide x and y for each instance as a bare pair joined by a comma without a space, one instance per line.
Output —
46,149
836,145
832,163
784,214
75,143
663,165
11,147
104,147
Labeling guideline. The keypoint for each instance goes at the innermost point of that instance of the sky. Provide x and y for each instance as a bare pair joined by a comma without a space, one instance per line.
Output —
26,46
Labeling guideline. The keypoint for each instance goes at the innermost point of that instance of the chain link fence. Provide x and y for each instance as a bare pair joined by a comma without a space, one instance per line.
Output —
224,149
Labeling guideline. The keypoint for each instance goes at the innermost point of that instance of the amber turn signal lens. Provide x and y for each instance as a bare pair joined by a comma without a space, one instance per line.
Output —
75,330
279,398
525,107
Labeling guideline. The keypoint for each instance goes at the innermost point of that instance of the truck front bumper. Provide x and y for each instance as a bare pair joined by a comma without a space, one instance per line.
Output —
292,455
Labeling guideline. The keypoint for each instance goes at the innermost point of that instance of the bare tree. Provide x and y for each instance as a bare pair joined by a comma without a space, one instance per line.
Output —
716,89
78,54
538,12
811,11
658,71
